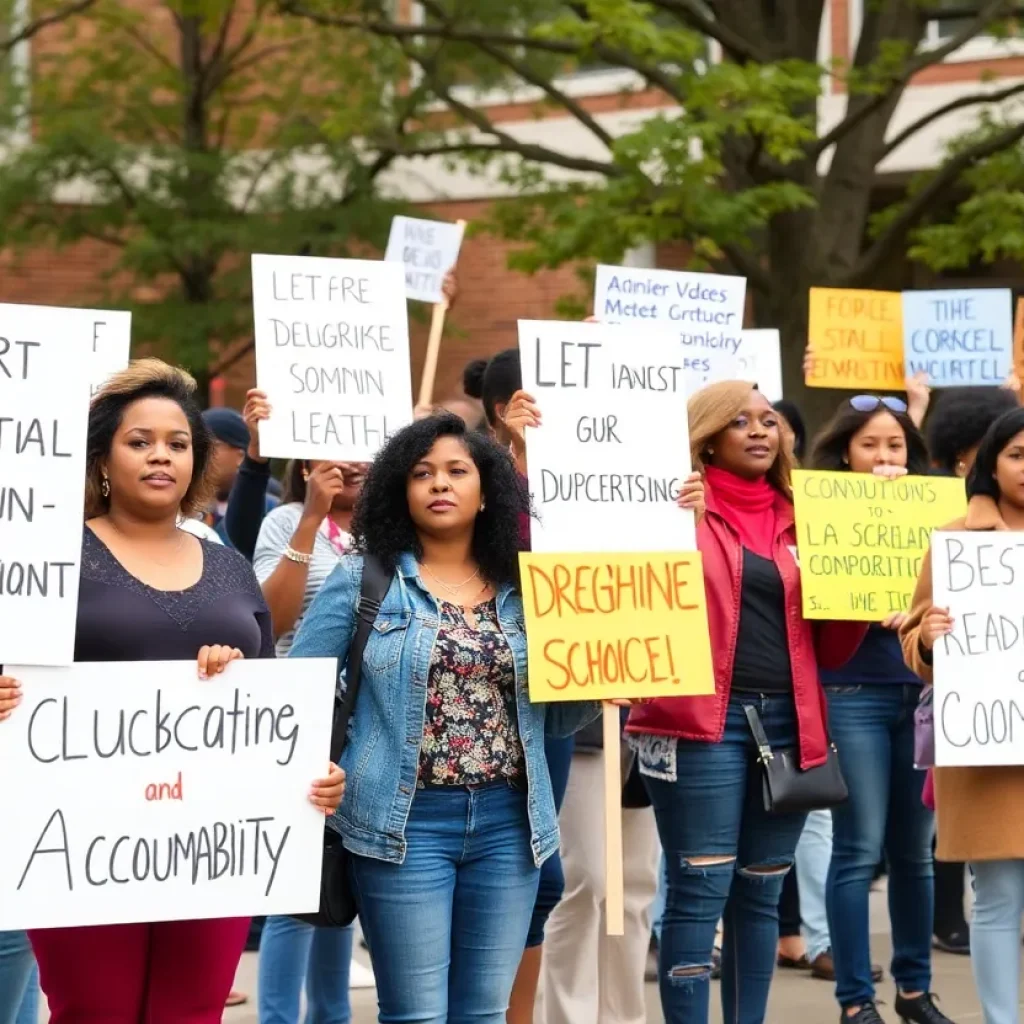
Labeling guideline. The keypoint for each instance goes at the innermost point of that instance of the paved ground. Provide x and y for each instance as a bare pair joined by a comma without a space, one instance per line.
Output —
795,999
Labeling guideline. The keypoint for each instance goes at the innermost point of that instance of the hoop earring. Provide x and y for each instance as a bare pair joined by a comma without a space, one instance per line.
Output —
105,486
483,505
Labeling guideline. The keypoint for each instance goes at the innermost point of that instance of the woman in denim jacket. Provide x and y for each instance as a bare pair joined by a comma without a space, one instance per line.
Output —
449,810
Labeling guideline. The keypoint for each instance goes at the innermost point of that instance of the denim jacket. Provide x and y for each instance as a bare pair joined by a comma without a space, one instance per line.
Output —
382,756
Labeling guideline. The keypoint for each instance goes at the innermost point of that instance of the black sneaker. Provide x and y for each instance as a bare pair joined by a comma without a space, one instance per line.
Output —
957,942
867,1014
921,1010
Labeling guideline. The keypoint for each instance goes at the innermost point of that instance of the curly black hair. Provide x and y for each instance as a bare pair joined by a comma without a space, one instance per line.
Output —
960,419
383,527
832,444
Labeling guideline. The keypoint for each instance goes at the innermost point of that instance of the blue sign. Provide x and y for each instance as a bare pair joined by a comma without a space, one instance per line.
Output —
959,337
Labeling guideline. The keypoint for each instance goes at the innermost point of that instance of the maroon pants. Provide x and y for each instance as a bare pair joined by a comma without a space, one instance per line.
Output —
174,972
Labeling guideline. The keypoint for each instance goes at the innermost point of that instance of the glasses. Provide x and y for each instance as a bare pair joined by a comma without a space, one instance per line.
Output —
869,403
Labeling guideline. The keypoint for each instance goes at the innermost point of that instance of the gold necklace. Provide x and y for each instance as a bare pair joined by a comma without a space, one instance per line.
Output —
452,588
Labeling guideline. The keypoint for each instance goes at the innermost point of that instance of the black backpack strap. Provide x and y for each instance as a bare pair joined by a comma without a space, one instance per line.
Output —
375,584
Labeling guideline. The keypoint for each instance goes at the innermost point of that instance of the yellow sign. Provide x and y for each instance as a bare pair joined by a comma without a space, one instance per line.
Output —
855,340
608,626
861,539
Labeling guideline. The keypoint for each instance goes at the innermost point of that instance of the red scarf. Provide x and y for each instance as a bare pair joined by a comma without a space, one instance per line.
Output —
748,506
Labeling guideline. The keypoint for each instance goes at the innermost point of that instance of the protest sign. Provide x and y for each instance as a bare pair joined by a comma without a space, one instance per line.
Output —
861,539
706,311
613,450
45,369
855,340
137,792
332,355
110,341
611,626
427,249
758,359
959,337
979,701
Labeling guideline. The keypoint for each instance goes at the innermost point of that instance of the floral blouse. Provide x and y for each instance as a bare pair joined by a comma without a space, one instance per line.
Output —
471,731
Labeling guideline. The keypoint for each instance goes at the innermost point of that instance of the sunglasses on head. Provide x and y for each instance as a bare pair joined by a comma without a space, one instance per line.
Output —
869,403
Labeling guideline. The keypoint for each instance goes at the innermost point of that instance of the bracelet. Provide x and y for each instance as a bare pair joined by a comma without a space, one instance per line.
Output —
297,556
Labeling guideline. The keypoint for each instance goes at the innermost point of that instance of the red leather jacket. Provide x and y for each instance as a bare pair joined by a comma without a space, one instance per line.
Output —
811,644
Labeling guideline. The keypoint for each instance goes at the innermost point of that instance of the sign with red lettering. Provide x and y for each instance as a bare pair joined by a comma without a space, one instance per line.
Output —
332,355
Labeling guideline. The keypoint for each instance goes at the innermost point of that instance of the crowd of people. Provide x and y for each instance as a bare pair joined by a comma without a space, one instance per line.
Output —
473,816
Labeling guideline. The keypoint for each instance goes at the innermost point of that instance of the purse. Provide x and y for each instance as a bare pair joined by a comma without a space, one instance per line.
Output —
786,788
337,899
924,730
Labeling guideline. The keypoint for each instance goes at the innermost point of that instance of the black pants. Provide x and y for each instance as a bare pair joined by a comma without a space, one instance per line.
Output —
949,899
789,907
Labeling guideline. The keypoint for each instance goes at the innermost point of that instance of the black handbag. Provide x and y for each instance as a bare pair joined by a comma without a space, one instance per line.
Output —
786,788
337,900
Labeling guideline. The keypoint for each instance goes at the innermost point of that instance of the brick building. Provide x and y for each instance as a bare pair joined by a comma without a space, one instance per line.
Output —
492,297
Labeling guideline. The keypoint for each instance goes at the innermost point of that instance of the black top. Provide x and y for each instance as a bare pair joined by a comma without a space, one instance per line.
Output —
120,618
762,647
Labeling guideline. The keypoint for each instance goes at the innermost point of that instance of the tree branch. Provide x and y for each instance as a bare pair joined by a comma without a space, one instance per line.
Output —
986,14
748,266
732,42
974,99
61,14
918,205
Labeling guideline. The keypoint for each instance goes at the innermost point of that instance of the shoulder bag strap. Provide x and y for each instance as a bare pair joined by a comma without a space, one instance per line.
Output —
763,746
375,584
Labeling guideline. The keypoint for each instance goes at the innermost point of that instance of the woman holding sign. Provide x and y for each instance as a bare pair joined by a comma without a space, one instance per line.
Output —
726,854
152,592
871,712
450,812
979,808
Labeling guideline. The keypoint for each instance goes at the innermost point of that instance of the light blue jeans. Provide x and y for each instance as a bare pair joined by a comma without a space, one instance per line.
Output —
292,953
447,927
813,857
19,980
658,907
996,936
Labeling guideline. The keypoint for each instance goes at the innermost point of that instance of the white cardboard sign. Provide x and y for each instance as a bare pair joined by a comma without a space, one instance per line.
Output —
136,792
613,449
332,355
979,667
427,249
110,343
45,370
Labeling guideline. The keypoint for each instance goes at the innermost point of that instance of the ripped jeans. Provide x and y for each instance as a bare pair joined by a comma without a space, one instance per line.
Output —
708,804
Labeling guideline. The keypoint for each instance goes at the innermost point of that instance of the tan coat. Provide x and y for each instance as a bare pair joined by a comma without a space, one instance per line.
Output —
979,810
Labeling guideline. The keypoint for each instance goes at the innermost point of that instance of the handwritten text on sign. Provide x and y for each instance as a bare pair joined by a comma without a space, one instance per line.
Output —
44,409
706,310
959,337
855,340
979,667
608,626
109,343
332,354
861,539
596,478
144,794
427,250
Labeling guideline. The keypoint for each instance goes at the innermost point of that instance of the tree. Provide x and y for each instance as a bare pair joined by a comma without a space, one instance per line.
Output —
736,166
185,136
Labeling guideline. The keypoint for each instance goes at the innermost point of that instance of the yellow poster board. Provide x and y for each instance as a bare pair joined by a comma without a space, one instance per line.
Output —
855,340
861,539
609,626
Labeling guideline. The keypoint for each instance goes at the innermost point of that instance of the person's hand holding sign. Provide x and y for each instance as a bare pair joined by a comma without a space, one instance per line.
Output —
936,623
214,658
323,484
10,696
520,413
691,496
890,472
894,621
256,408
328,793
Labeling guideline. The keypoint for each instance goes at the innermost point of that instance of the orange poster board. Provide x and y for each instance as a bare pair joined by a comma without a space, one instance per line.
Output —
855,340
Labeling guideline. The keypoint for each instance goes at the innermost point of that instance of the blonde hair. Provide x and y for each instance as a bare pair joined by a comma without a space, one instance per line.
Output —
145,378
712,409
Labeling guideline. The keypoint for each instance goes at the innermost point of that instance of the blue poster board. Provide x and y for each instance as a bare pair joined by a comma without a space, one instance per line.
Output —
959,336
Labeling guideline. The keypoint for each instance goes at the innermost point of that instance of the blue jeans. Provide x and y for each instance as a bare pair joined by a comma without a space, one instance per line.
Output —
447,927
813,857
658,907
291,953
19,980
995,937
873,728
709,805
558,751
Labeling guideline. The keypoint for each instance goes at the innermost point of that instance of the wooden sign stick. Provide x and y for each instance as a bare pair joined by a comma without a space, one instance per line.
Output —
614,909
1018,340
437,318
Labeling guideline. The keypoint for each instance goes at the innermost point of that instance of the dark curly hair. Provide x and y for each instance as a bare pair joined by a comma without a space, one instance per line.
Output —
383,527
959,420
833,443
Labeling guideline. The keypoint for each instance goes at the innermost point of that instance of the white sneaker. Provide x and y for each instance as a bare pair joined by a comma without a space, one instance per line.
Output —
360,976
